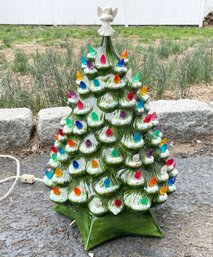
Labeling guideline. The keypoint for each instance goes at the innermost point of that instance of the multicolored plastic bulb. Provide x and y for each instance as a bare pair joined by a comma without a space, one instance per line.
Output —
163,148
94,164
91,50
88,143
69,122
107,182
147,119
80,105
58,173
171,181
78,124
94,116
163,190
56,190
108,132
79,76
83,60
144,200
75,164
48,174
117,202
103,59
137,77
120,63
71,94
54,149
115,152
96,82
137,174
149,153
153,182
156,133
61,150
123,114
140,104
61,133
117,79
130,96
83,85
137,137
124,54
70,142
77,191
90,65
143,90
54,157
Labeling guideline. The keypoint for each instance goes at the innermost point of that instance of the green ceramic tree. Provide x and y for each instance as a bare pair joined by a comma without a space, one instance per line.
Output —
109,164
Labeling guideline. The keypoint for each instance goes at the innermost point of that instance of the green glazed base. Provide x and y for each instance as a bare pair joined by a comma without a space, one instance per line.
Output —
96,230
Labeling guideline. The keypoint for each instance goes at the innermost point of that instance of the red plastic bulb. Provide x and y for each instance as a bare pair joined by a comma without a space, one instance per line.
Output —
153,116
147,119
108,132
80,105
117,202
60,131
54,149
137,174
103,59
130,96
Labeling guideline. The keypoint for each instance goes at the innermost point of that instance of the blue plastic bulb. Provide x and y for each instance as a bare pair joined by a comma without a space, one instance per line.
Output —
163,148
96,82
137,137
75,164
84,60
107,182
48,174
120,63
171,181
83,85
140,104
78,124
61,150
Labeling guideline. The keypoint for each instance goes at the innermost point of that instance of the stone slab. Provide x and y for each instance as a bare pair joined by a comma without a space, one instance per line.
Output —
15,127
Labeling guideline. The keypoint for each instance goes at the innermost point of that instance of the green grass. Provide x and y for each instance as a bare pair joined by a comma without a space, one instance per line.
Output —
49,35
176,59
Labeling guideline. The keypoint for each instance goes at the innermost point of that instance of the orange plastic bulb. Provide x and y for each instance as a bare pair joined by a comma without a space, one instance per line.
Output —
56,137
124,54
152,182
94,164
143,90
163,141
163,190
71,143
58,173
77,191
117,79
56,191
79,76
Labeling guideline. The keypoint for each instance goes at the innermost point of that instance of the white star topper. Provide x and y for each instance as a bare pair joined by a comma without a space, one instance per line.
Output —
106,16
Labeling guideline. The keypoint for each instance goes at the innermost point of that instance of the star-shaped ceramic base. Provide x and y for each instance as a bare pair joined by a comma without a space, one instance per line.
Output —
96,230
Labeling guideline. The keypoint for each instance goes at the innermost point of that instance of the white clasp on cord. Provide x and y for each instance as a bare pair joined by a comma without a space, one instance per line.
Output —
25,178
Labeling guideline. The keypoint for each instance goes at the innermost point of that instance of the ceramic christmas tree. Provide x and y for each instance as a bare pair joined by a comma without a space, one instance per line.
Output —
109,165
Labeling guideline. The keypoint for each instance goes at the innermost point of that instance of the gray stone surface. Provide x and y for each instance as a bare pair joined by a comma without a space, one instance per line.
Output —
15,127
49,122
30,227
184,119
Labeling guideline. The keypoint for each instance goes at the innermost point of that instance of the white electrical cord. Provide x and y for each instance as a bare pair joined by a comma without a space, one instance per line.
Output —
24,178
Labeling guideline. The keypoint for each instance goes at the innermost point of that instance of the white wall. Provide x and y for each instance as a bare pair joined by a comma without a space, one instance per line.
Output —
131,12
208,7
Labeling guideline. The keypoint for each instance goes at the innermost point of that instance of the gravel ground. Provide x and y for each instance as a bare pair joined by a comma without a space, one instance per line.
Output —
30,227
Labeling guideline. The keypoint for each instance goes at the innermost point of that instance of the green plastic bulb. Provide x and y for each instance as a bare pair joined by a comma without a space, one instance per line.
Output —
91,50
115,152
137,77
69,122
94,116
144,200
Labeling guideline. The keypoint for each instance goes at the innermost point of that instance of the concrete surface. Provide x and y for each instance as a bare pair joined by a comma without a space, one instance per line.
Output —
184,119
49,122
29,226
15,127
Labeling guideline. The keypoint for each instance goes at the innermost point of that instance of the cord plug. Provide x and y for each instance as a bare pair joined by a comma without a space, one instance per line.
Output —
27,179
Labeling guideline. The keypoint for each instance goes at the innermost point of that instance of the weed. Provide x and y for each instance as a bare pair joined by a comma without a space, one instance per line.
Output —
21,63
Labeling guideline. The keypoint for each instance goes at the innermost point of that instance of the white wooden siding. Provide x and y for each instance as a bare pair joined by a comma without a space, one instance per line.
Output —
83,12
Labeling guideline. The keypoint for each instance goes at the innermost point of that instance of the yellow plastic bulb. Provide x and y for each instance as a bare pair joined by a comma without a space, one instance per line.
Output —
163,190
143,90
79,76
163,141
